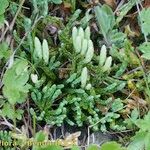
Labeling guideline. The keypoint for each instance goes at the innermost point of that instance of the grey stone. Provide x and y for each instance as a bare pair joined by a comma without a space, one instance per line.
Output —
99,138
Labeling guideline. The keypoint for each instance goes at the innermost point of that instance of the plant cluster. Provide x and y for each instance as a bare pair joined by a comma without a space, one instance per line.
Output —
82,67
4,4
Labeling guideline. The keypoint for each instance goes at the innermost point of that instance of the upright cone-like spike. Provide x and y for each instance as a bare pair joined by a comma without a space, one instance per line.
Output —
90,52
108,64
81,33
45,51
78,44
84,46
84,76
87,33
74,34
38,48
102,57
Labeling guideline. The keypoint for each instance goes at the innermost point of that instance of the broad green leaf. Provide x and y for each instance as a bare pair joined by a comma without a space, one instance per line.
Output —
4,52
2,19
41,136
144,123
3,5
93,147
135,114
147,141
53,147
145,21
105,19
137,141
146,56
145,49
15,82
9,112
142,137
75,148
48,147
11,94
112,146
